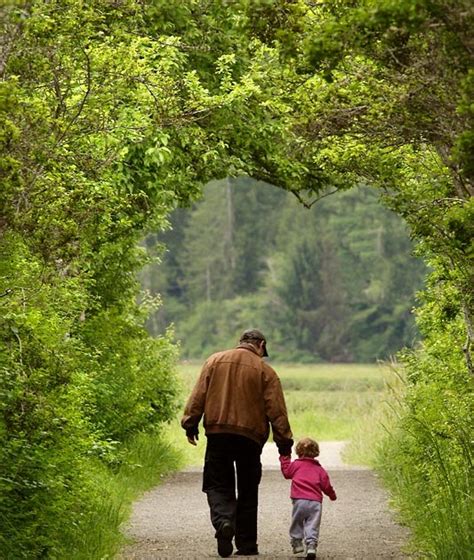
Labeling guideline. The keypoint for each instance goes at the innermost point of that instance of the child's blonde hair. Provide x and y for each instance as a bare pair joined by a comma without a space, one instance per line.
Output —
307,447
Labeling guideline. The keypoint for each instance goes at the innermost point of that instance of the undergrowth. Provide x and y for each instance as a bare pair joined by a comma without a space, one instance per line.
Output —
419,439
146,460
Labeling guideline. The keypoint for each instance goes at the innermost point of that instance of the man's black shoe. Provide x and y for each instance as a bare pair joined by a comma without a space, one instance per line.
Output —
247,552
224,539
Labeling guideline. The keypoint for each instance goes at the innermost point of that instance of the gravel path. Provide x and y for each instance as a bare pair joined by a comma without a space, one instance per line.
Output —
172,520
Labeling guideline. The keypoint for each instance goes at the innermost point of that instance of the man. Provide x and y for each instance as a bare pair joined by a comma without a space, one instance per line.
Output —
240,396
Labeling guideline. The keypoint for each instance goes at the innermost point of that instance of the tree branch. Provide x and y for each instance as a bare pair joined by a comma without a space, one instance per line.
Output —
308,205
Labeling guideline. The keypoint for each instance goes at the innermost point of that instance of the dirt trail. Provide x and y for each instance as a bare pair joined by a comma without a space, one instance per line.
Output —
172,520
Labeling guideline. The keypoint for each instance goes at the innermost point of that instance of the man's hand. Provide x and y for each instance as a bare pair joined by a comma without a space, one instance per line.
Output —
192,434
285,448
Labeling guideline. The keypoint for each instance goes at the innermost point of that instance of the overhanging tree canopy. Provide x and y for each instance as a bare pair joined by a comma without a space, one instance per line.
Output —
112,113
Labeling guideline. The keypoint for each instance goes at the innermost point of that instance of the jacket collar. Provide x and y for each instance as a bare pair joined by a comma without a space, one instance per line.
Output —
248,346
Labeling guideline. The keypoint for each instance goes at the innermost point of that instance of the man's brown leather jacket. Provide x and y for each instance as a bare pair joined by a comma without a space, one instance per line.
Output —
238,393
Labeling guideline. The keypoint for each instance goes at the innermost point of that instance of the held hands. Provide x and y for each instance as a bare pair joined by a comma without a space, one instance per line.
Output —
284,449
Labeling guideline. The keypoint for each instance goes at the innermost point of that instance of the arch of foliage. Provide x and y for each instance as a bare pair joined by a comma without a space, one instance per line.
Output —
114,112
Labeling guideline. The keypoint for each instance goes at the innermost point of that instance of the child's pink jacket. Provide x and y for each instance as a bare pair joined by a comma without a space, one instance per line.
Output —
308,479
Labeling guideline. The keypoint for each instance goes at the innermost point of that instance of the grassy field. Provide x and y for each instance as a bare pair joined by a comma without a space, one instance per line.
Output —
325,401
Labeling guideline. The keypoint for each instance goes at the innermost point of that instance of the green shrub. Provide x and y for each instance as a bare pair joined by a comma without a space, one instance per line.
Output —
74,396
427,456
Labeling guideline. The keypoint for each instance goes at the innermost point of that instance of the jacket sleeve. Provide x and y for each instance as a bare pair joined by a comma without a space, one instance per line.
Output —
287,467
326,486
194,408
275,409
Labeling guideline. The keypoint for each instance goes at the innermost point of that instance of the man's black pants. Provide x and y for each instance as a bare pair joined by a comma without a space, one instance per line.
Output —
222,452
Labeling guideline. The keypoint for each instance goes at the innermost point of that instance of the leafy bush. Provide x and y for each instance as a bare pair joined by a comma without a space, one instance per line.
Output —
73,393
45,435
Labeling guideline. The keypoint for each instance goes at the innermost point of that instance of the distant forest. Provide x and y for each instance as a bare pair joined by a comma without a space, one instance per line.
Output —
336,282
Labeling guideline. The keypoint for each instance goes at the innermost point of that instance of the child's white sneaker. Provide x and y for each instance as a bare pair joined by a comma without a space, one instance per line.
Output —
297,545
310,553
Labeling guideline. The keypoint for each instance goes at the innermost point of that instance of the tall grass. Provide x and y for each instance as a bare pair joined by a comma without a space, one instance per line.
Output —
419,439
426,460
324,400
145,461
376,423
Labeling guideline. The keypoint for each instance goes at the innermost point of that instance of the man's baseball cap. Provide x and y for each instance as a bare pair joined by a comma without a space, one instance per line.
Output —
255,335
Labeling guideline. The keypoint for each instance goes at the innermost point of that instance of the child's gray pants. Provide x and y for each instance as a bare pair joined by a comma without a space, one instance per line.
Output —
305,521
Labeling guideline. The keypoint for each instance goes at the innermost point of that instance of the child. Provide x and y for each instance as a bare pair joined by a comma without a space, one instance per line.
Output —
308,483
